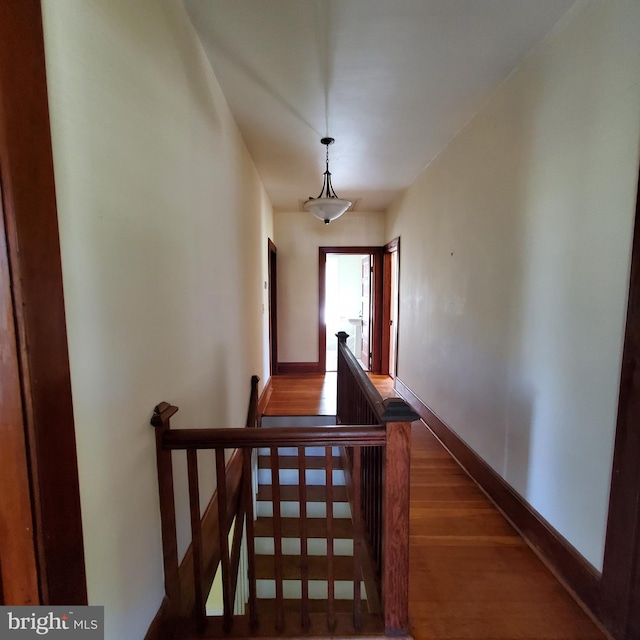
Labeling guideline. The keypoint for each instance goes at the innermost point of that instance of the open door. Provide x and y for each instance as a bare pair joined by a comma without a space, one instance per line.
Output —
390,307
393,315
365,311
273,309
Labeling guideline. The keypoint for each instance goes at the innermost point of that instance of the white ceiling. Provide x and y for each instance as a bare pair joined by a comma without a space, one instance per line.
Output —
392,81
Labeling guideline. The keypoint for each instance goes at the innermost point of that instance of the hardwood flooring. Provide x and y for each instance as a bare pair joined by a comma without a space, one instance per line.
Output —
472,576
303,395
313,394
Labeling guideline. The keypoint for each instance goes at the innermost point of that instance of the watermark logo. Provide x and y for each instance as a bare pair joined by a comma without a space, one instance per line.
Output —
22,623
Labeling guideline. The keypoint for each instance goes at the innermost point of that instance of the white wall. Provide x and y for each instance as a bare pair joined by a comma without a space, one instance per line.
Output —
163,227
298,236
514,269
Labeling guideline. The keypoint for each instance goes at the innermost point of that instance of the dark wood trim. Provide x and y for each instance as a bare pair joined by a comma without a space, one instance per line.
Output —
377,304
386,314
322,301
377,307
19,584
162,626
388,249
620,606
272,290
563,559
231,438
299,368
26,170
395,558
393,245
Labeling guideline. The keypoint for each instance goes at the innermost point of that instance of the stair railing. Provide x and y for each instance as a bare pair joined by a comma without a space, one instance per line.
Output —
375,433
381,476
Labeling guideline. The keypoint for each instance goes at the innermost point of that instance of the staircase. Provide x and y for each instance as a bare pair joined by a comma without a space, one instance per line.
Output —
302,544
313,564
291,530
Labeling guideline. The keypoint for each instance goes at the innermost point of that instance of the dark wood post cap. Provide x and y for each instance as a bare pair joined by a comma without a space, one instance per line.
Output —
342,336
162,413
397,410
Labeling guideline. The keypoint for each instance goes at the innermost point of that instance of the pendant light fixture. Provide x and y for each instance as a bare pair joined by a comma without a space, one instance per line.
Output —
327,206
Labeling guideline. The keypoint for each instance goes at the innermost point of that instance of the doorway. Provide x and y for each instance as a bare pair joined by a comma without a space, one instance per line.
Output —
272,289
348,306
350,299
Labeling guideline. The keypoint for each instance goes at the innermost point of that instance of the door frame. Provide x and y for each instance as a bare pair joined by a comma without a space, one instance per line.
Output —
388,249
272,293
33,249
376,306
619,605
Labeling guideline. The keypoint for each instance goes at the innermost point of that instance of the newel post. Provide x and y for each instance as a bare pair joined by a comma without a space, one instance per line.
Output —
342,396
252,412
160,420
397,416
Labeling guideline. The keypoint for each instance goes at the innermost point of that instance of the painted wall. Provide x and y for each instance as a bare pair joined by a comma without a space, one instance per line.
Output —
298,236
163,226
514,269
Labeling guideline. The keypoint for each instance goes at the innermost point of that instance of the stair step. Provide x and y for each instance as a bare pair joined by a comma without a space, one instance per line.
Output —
291,462
315,493
293,451
315,546
289,509
315,477
373,626
318,567
268,605
292,589
316,528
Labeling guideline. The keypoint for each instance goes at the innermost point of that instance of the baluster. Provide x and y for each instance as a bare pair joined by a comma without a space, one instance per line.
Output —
277,538
223,527
377,503
304,560
196,536
247,489
331,621
357,540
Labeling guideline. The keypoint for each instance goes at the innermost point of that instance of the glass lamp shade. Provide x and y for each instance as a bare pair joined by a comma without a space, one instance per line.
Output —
327,209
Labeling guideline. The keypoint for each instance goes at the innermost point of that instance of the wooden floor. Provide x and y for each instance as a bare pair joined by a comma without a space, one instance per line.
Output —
472,577
312,395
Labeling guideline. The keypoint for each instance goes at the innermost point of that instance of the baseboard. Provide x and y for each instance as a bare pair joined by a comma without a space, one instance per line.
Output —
265,396
162,627
298,367
577,574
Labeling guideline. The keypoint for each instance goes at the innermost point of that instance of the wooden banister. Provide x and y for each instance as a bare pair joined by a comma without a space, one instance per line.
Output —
374,432
383,474
274,437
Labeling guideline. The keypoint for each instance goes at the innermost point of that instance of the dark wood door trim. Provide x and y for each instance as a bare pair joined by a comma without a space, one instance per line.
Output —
19,584
26,171
389,248
377,306
273,307
620,588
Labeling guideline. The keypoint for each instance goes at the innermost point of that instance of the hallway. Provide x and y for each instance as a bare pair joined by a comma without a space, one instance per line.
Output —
472,575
